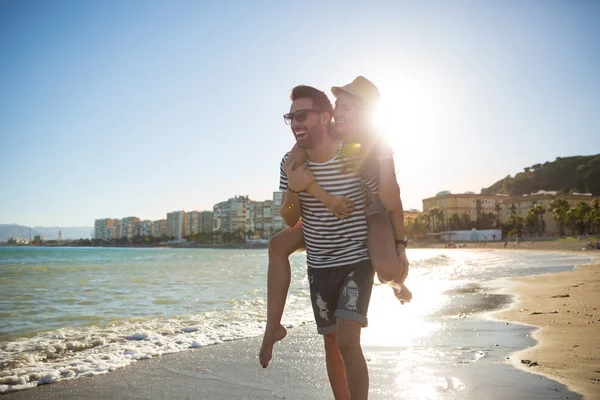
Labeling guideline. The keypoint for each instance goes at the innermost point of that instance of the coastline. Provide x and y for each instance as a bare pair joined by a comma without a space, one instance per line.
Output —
565,310
214,370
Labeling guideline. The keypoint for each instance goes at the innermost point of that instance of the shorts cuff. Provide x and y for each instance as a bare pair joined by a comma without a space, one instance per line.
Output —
351,316
327,329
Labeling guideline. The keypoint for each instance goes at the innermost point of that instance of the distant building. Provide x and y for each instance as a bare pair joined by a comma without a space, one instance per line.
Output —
412,213
176,224
230,216
127,227
260,220
193,223
17,240
105,229
464,203
146,228
520,205
39,238
502,205
278,222
159,228
60,235
206,221
473,235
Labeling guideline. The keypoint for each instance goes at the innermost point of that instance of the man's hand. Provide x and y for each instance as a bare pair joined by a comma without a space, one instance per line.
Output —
401,253
299,178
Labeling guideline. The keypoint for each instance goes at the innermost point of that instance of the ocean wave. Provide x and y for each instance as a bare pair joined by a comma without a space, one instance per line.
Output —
70,353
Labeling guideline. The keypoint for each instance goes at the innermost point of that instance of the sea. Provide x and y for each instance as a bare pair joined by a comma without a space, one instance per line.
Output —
72,312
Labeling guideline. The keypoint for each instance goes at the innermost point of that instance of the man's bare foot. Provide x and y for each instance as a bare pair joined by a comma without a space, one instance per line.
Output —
403,294
271,337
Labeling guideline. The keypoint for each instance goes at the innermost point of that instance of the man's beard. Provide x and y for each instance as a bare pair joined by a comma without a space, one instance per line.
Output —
313,138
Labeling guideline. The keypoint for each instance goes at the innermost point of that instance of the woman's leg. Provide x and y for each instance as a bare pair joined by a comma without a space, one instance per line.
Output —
382,249
281,246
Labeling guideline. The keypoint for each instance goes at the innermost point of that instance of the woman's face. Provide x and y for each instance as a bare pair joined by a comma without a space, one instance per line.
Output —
350,118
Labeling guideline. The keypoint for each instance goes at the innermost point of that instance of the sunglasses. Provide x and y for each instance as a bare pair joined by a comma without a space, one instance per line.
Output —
299,115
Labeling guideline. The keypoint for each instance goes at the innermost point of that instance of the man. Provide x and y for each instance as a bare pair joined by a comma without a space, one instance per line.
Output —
339,269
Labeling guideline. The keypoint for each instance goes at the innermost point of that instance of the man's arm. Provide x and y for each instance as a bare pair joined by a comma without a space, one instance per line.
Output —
290,208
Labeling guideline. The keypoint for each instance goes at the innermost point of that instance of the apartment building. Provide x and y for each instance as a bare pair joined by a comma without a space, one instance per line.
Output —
176,224
127,227
146,228
520,205
159,228
467,203
277,221
105,228
206,221
230,216
193,223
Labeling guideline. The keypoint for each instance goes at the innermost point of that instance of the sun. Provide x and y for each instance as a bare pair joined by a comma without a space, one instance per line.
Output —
409,112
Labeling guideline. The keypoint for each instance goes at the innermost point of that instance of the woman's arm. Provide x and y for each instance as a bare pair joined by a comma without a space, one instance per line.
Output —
397,219
389,191
290,208
338,205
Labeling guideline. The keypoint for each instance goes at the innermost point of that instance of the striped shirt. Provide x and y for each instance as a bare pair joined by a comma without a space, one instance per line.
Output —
330,241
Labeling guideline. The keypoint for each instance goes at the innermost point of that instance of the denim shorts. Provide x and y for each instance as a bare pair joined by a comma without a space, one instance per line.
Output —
340,292
373,206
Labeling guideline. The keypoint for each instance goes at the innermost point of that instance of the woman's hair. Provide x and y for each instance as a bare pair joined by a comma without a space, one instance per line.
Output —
319,98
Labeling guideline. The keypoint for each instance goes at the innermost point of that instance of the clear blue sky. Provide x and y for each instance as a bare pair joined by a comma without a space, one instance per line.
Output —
118,108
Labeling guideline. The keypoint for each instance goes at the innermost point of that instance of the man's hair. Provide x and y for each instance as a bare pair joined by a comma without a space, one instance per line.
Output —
319,98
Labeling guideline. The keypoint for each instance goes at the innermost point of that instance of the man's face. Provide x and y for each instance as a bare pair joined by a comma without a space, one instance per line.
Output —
306,125
349,116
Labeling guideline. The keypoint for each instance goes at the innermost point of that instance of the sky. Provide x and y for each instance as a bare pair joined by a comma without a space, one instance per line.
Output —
111,109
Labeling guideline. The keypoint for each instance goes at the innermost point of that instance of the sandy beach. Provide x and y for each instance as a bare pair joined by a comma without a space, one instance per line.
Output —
566,308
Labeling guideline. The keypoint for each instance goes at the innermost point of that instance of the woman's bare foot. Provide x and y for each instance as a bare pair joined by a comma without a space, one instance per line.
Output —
403,294
271,337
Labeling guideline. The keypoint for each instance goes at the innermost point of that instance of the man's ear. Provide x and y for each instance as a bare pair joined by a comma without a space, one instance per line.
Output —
325,118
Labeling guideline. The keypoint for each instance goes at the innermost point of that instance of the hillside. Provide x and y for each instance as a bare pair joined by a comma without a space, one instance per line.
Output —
566,174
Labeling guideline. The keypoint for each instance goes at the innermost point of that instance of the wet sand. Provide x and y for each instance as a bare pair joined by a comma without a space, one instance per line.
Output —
231,371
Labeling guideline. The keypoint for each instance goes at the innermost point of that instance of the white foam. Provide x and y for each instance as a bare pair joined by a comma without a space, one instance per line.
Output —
71,353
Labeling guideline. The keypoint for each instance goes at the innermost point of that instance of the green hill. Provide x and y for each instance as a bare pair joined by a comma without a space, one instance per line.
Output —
565,174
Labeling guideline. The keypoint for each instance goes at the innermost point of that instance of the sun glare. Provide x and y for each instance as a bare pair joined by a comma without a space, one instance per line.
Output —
411,111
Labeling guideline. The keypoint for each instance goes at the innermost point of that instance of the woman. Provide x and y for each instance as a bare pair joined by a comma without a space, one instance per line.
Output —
366,153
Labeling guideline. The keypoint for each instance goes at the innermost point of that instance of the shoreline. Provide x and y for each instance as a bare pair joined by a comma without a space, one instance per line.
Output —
558,244
564,309
557,358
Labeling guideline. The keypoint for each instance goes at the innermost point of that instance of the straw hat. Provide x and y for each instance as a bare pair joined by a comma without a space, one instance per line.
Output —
361,88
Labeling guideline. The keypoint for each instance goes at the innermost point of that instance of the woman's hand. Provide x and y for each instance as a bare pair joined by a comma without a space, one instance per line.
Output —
340,206
402,259
299,178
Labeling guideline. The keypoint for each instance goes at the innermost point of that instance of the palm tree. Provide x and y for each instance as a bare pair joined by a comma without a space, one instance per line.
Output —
466,221
515,222
559,208
571,220
535,219
436,215
454,223
478,209
498,208
581,210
